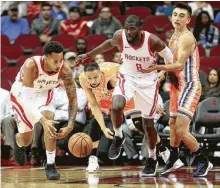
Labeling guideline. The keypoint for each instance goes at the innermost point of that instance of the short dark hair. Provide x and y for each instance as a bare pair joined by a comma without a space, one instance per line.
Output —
185,7
75,9
52,46
91,67
133,18
45,4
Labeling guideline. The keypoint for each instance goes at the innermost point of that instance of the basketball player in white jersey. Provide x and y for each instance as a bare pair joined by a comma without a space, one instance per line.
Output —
138,50
33,89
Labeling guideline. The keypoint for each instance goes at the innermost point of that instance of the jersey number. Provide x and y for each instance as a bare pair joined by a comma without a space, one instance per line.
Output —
139,67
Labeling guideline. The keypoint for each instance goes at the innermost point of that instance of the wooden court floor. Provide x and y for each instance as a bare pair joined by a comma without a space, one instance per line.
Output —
113,176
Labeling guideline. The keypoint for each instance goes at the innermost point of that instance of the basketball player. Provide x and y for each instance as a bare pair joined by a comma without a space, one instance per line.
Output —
186,92
138,50
98,82
33,89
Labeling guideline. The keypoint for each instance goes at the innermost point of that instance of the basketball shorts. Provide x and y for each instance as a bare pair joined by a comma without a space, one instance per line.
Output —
185,100
23,112
144,91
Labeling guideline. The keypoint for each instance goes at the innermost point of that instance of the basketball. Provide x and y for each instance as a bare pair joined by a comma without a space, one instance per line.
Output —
80,145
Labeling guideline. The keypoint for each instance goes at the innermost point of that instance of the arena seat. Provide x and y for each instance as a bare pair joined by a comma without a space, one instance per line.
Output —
142,12
28,42
22,60
121,18
39,51
66,40
89,18
3,62
212,62
168,27
208,116
10,73
159,22
12,53
5,84
4,40
201,51
192,22
215,51
95,40
111,3
149,28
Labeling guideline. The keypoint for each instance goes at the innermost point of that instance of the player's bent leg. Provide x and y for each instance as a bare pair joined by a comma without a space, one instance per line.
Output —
22,140
50,144
151,139
118,104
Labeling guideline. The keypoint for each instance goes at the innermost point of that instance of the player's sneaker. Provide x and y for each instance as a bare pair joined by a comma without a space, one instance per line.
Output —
115,148
202,169
93,164
172,165
165,155
150,168
19,154
51,172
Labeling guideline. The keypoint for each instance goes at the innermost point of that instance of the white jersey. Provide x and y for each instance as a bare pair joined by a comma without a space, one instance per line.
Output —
134,59
44,81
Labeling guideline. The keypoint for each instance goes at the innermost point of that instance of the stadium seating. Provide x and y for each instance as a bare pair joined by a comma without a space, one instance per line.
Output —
3,63
22,60
215,51
28,42
142,12
12,58
39,51
149,28
5,84
212,62
201,51
159,22
208,116
192,22
4,40
95,40
10,73
66,40
121,18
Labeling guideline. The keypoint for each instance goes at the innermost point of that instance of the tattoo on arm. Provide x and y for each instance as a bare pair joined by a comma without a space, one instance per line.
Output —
71,94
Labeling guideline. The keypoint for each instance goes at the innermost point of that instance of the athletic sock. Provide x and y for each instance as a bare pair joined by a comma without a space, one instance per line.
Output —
174,152
51,156
161,147
200,155
118,132
152,153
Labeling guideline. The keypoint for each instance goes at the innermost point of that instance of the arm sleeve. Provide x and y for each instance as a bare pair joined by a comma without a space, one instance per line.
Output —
167,55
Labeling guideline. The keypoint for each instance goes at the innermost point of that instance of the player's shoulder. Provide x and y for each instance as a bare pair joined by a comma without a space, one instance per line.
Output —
187,37
30,63
118,33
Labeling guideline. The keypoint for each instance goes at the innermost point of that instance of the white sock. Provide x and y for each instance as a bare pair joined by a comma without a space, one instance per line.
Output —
118,132
152,153
51,156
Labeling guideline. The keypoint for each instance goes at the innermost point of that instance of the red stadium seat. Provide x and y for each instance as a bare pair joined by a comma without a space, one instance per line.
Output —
5,84
4,40
212,62
215,51
89,18
121,18
110,3
149,28
115,11
39,51
142,12
192,22
12,53
204,69
168,27
109,54
10,73
22,60
217,25
66,40
95,40
28,42
159,22
201,51
3,62
214,4
162,36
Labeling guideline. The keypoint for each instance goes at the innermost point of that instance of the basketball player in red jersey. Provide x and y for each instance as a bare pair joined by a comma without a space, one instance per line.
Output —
185,93
33,89
138,50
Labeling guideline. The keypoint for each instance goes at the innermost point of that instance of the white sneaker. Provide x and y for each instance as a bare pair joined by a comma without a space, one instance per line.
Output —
93,164
165,155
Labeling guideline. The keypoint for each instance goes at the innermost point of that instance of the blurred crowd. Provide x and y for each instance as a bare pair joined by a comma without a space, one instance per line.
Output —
81,19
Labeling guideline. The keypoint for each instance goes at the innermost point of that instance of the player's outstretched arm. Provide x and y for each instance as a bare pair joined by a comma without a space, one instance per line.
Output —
105,46
95,108
67,77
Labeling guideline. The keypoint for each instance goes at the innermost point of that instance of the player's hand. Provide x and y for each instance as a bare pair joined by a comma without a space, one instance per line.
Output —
108,133
63,132
132,127
49,129
81,58
149,69
160,111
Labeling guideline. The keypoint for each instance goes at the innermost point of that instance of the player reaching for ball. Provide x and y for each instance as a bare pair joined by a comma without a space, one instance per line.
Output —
32,90
138,50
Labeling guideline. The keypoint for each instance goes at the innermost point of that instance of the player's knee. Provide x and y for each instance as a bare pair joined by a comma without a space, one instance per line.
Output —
118,103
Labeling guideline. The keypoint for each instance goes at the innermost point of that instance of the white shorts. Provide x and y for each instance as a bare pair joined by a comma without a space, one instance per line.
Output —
23,116
142,89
